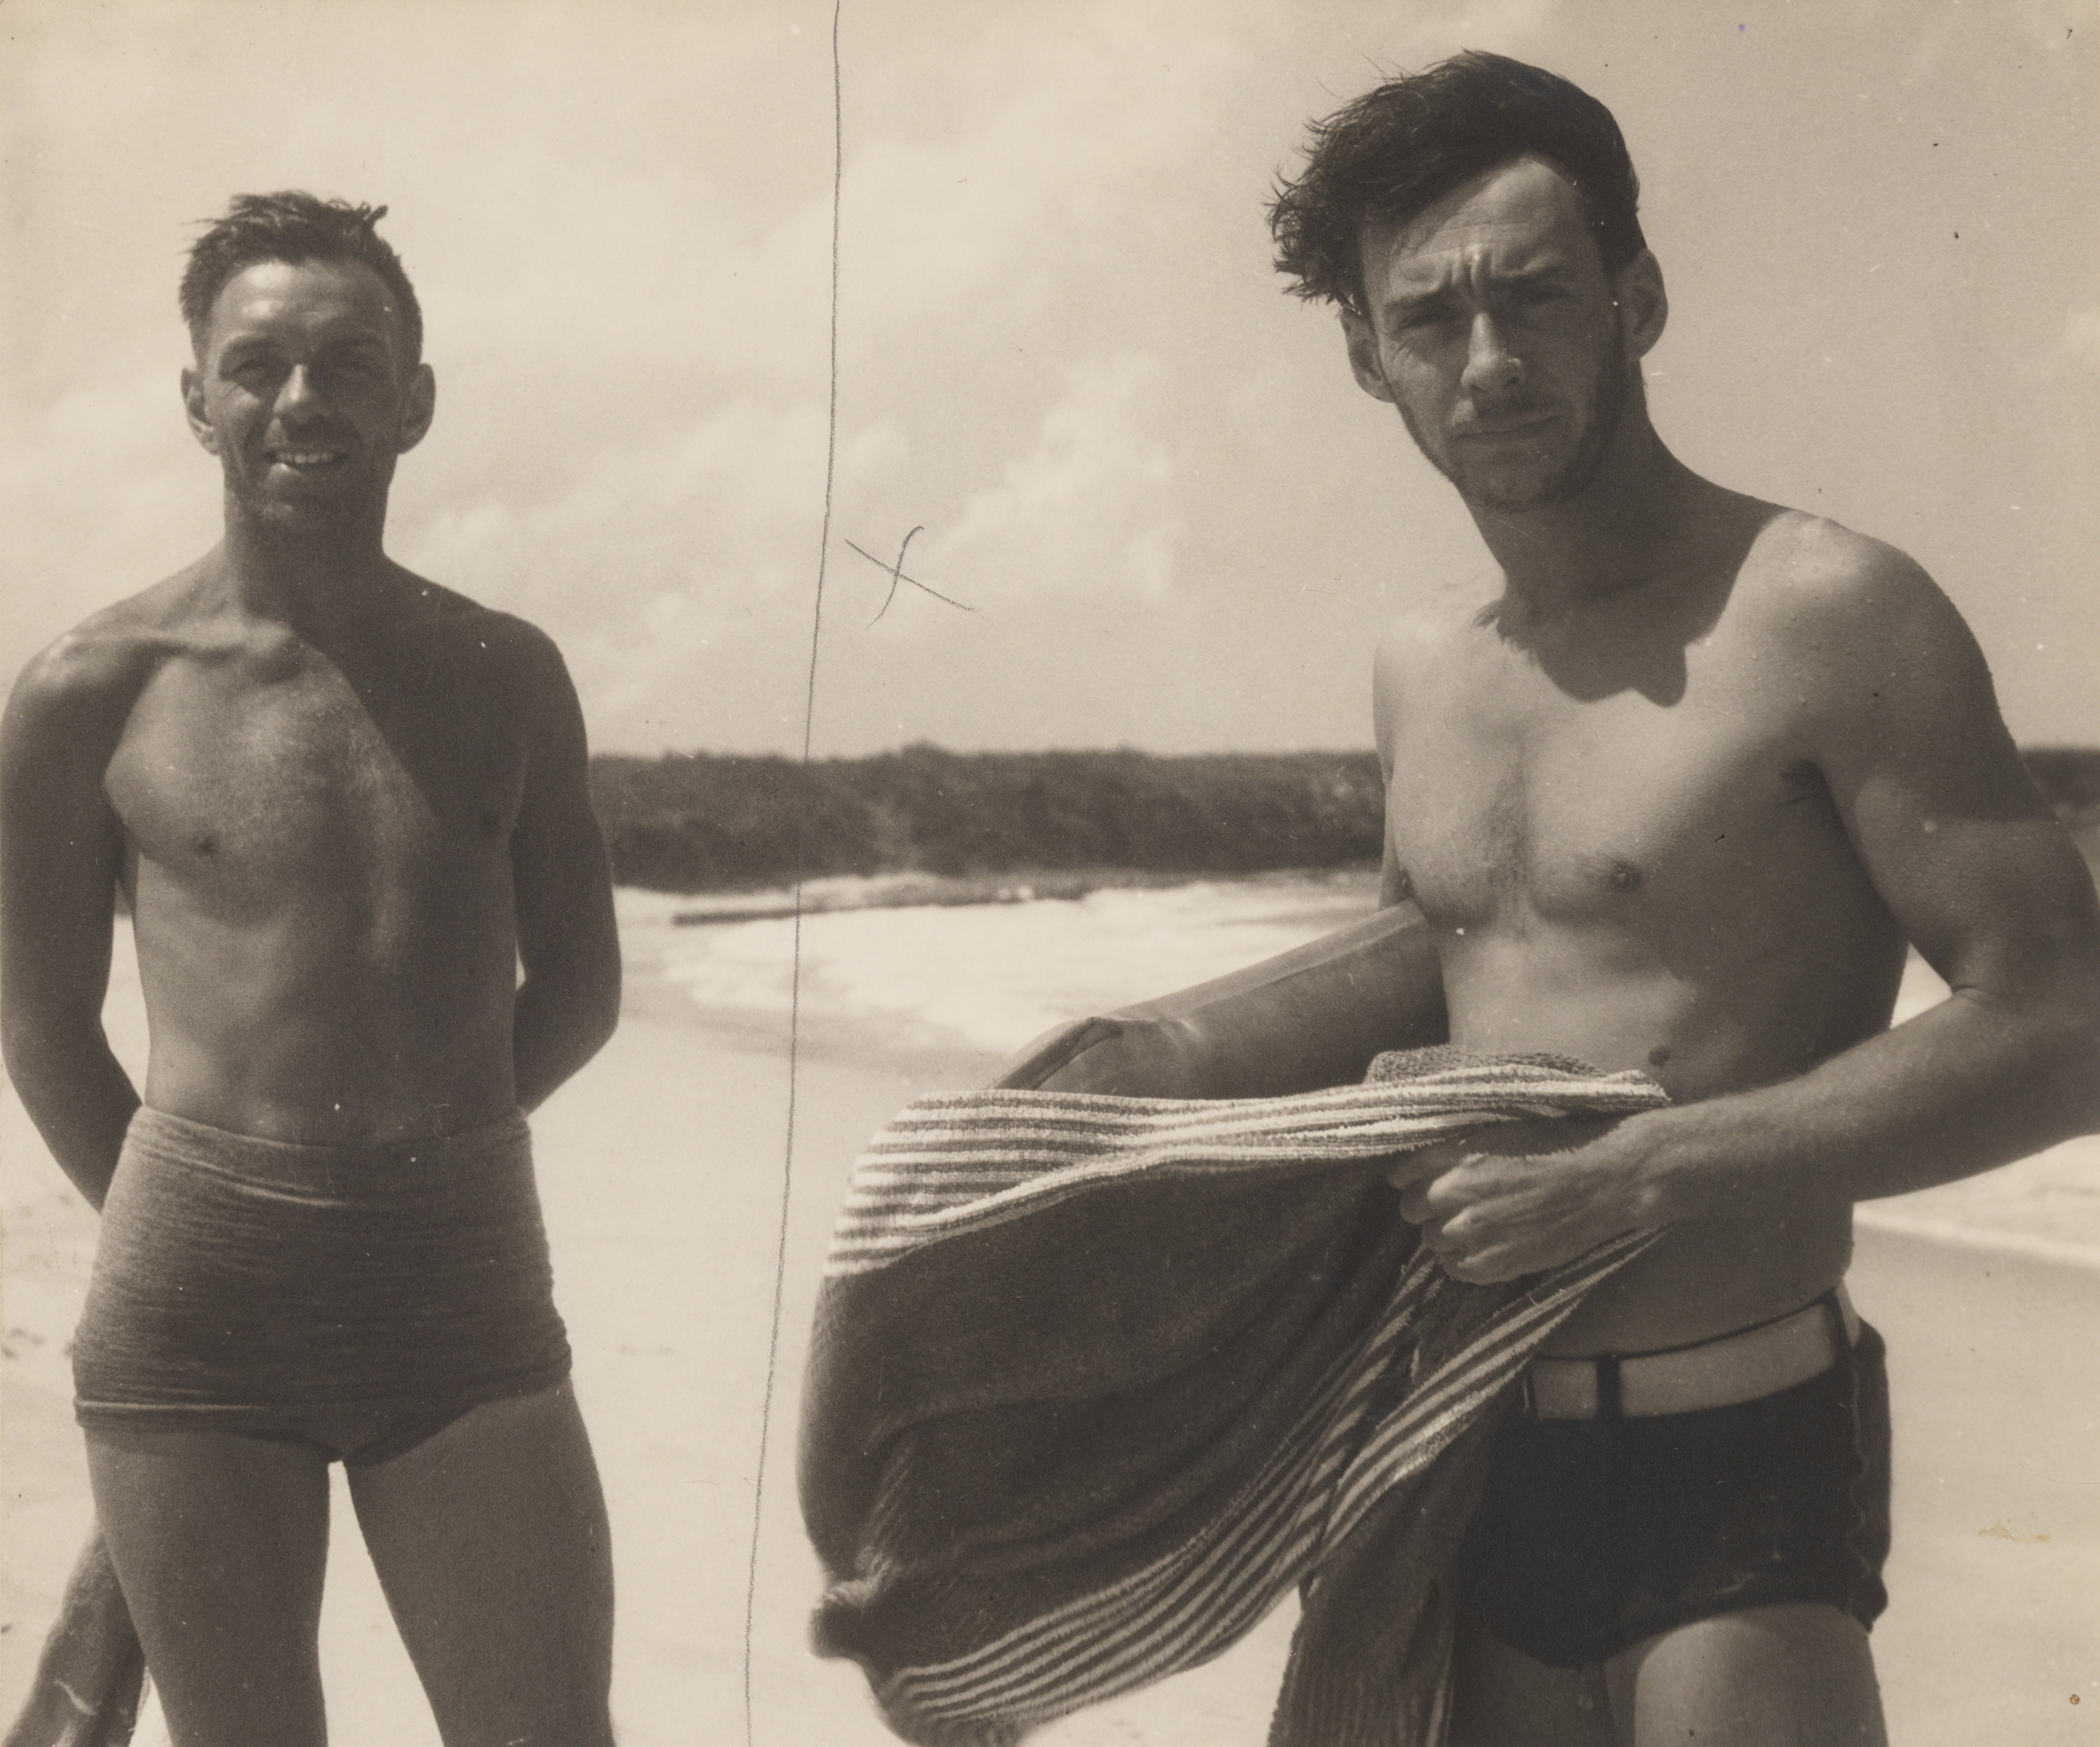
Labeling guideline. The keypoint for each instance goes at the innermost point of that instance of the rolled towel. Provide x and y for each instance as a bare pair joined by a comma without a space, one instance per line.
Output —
92,1675
1097,1380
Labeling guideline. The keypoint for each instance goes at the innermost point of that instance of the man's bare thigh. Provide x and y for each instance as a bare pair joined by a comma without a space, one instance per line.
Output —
1763,1676
490,1540
220,1542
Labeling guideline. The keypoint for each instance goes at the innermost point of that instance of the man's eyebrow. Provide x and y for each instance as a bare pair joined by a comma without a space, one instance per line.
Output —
1548,270
242,344
355,337
1409,303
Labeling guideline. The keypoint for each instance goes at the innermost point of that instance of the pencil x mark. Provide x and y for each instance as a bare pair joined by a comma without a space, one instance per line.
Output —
897,575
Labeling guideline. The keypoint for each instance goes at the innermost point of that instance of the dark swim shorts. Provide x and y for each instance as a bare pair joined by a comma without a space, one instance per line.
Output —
1593,1534
357,1299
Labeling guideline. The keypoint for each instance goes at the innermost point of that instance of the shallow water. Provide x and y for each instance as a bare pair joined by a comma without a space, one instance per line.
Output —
989,977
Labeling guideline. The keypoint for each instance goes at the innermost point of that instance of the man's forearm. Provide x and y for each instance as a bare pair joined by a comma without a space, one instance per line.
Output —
555,1029
78,1095
1962,1087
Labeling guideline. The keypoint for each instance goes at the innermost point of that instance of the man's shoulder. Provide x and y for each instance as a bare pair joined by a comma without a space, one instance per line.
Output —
434,609
1810,575
103,662
1858,624
443,625
1430,629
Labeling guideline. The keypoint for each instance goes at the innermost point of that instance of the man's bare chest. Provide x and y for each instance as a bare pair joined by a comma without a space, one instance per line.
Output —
1515,797
301,773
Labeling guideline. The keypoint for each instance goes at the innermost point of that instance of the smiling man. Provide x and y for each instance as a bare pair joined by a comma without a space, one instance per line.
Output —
346,808
1672,790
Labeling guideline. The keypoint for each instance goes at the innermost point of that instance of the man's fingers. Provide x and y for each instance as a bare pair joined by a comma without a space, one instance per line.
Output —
1462,1263
1478,1270
1423,1164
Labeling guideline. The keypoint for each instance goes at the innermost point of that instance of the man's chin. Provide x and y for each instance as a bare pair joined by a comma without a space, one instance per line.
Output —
305,513
1506,483
1508,496
1510,490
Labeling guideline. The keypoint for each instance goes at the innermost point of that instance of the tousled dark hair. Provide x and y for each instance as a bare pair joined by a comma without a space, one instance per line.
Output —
1396,149
295,226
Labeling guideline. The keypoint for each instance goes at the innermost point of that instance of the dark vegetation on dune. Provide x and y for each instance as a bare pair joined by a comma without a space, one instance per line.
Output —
699,823
2069,776
695,823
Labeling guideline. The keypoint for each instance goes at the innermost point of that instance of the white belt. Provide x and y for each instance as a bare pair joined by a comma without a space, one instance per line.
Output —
1719,1373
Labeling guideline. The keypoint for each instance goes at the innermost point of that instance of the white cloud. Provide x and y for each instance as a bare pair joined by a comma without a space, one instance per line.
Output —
1088,509
1058,120
876,452
723,503
102,492
674,575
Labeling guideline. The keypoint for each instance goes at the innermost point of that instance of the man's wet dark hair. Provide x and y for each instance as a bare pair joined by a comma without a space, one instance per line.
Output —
1396,149
295,226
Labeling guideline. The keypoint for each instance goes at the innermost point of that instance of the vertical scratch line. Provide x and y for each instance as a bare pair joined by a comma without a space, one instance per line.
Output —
801,852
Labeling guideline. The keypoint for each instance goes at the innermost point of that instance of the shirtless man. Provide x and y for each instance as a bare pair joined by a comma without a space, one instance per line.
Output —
347,808
1672,790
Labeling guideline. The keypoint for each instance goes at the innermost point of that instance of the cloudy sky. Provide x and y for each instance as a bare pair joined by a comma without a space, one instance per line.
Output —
1171,519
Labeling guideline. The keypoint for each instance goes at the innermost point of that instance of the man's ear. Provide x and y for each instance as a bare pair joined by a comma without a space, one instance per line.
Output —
1643,304
418,407
193,408
1364,356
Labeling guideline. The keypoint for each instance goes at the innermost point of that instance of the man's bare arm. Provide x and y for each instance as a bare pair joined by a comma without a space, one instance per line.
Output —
569,1004
1978,875
60,852
1982,880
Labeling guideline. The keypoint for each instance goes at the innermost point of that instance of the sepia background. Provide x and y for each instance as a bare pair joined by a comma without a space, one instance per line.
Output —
1065,370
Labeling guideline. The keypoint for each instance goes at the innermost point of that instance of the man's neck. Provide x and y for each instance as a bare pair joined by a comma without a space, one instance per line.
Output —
314,581
1628,526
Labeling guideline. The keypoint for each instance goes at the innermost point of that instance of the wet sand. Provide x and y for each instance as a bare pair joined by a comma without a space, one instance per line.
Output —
662,1170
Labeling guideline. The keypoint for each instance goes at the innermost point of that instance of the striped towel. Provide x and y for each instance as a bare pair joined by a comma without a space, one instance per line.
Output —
1097,1381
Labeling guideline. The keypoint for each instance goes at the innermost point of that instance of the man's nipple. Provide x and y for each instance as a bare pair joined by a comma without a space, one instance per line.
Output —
1624,877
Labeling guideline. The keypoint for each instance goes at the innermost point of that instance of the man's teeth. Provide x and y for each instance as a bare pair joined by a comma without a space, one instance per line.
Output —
307,457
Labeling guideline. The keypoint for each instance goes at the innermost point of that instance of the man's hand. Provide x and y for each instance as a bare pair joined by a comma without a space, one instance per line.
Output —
1524,1197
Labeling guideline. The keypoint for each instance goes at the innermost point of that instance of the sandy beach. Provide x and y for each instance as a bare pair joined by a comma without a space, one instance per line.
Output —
663,1168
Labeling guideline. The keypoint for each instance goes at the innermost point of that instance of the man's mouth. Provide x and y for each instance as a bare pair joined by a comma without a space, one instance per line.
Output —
306,459
1506,427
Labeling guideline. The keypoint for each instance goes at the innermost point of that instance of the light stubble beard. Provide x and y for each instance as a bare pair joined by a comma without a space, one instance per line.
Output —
1609,394
334,515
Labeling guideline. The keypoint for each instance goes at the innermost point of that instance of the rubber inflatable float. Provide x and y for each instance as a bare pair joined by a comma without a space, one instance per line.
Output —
1309,1018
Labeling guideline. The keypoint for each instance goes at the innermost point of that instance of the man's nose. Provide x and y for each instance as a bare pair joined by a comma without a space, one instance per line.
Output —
1491,367
299,392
